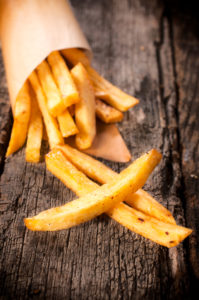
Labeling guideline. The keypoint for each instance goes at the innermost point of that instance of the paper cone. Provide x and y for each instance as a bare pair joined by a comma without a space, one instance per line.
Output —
107,144
30,30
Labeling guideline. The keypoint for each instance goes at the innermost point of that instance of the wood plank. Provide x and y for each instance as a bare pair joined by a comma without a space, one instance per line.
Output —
5,115
186,49
134,48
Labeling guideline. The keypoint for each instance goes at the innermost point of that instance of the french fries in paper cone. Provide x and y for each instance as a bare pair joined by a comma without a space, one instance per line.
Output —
50,78
50,26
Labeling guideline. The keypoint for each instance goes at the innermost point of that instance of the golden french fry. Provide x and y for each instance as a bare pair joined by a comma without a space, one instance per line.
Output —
54,100
99,93
63,169
74,56
85,108
21,119
22,105
104,89
144,202
165,234
17,138
106,113
110,93
155,230
35,132
100,200
99,172
54,135
63,79
93,168
66,124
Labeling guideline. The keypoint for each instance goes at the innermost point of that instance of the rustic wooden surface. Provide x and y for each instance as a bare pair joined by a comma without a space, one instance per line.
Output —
150,49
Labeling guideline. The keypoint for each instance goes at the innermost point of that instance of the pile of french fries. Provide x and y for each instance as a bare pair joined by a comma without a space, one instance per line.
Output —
65,94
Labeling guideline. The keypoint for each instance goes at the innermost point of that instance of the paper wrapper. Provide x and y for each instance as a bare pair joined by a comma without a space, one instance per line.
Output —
30,30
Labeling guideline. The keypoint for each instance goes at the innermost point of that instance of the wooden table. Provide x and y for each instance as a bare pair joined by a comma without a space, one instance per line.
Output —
150,50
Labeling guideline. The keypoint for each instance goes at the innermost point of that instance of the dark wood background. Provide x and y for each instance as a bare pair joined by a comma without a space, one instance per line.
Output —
151,50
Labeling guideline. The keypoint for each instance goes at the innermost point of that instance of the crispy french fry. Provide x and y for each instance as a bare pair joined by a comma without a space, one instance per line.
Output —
54,135
106,113
93,168
35,131
74,56
63,79
151,228
18,137
100,93
85,109
66,124
63,169
100,200
110,93
99,172
21,119
54,100
22,105
104,89
165,234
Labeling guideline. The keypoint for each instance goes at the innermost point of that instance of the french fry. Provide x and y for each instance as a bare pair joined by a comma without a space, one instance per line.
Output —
151,228
110,93
63,169
106,113
22,104
63,79
35,132
100,93
54,135
21,119
103,88
85,108
54,100
93,168
100,200
99,172
17,138
165,234
66,124
74,56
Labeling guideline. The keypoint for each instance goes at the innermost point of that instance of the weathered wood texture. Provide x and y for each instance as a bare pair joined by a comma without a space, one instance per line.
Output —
151,51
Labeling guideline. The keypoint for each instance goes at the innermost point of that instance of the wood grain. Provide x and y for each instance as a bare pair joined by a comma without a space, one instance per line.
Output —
141,46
